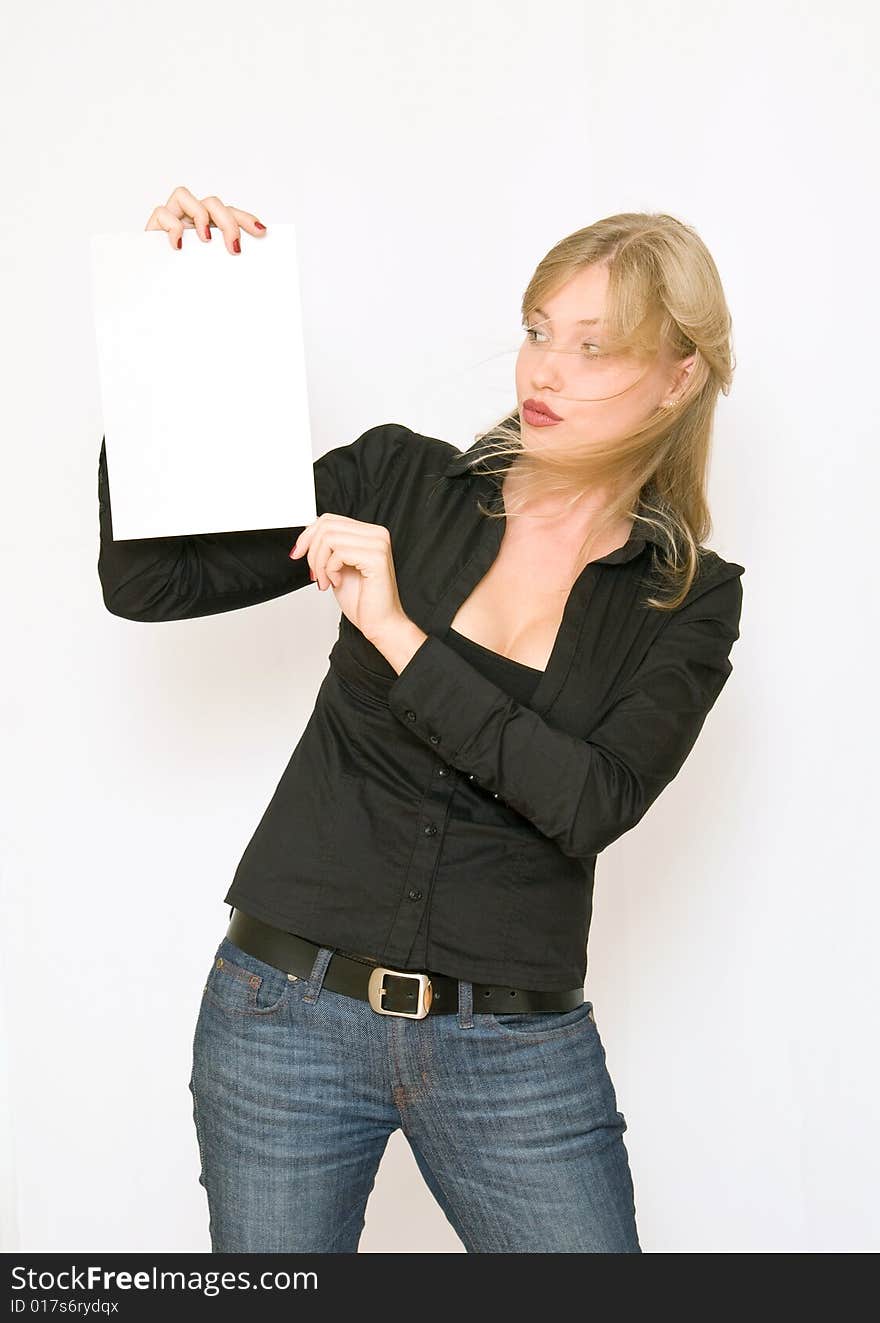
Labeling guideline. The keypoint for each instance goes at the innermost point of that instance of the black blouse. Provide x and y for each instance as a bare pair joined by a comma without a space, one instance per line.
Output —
441,819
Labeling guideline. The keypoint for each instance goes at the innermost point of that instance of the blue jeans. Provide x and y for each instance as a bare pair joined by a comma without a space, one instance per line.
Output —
512,1119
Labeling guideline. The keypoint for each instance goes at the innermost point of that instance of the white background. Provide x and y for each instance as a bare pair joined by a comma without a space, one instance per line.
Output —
430,157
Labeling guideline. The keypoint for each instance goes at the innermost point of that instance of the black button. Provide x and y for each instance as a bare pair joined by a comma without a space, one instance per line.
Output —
443,771
410,716
495,794
434,739
430,830
414,894
471,776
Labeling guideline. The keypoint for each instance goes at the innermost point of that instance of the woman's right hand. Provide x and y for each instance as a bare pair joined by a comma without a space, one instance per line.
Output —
183,211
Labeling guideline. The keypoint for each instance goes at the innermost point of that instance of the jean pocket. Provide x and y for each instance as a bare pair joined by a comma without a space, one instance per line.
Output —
543,1024
242,984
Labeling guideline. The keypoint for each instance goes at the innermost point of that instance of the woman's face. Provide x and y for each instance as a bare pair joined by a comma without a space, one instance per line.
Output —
558,365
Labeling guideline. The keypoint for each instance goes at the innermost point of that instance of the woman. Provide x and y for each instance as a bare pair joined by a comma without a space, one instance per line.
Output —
532,634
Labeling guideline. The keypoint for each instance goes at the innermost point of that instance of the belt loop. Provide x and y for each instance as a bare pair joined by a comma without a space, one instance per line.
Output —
319,969
465,1004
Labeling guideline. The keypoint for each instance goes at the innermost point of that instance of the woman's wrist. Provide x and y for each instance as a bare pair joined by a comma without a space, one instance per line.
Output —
399,642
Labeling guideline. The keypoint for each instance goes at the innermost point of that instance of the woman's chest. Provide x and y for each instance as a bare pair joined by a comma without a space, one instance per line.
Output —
516,609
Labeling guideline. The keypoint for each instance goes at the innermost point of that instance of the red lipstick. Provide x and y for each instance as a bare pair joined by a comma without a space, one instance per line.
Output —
538,414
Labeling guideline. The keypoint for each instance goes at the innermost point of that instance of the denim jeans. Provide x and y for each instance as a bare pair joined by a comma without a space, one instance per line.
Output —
512,1119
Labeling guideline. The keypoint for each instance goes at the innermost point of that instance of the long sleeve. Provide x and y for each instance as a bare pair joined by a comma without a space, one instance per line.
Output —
177,578
581,793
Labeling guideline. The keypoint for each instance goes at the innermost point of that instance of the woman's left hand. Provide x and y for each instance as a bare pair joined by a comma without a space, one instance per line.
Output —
355,560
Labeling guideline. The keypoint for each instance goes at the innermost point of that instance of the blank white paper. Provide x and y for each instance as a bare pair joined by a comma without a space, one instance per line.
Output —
203,383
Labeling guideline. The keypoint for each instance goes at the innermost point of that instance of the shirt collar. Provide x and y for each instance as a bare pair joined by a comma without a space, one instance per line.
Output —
462,463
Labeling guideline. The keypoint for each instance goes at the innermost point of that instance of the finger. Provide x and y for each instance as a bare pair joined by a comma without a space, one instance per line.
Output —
223,218
361,553
192,212
306,537
334,567
166,213
318,550
249,222
164,219
325,537
212,212
306,545
301,545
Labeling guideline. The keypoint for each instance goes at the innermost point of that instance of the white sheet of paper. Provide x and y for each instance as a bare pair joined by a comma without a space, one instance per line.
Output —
203,383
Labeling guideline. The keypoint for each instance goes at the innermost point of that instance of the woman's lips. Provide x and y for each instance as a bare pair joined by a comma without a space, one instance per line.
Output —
535,419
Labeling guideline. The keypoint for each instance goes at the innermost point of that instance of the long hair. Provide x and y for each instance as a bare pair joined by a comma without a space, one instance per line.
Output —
664,298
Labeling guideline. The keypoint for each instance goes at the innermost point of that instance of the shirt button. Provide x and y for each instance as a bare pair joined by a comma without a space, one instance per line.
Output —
414,894
434,739
410,715
471,776
430,830
443,770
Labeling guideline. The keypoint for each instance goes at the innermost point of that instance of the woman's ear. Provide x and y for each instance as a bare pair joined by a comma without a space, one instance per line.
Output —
682,371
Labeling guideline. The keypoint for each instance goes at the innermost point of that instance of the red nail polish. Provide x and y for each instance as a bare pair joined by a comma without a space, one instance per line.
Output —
180,242
208,232
259,225
236,245
311,576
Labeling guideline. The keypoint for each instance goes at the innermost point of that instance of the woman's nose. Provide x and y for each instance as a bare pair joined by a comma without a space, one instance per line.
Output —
547,374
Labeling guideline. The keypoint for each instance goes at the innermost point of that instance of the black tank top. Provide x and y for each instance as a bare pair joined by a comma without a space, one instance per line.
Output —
519,680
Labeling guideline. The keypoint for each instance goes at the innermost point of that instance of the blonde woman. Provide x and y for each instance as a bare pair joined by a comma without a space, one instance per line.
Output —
532,634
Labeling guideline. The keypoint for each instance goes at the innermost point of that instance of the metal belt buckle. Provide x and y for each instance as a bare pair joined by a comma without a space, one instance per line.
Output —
376,987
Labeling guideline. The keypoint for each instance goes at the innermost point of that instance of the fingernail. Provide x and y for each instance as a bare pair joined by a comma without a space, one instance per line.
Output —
207,232
180,242
311,576
236,245
259,225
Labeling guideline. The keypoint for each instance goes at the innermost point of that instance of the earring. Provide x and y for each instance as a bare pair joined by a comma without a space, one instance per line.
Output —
668,404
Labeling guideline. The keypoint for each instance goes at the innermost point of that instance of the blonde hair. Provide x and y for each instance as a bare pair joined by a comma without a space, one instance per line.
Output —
664,298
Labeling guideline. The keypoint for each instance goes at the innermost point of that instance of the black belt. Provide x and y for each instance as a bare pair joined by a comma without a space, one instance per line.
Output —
410,993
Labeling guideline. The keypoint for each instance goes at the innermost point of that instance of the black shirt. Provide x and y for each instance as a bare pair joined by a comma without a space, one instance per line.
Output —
435,819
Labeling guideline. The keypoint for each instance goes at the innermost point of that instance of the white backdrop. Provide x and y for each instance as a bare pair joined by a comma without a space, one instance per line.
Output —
429,159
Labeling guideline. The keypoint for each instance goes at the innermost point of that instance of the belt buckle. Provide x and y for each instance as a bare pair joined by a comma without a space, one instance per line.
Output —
376,987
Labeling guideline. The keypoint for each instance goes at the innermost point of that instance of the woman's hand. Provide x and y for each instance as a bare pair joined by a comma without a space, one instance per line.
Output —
183,211
355,559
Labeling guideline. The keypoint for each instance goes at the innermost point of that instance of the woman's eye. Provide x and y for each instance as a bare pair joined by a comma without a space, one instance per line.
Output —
593,351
